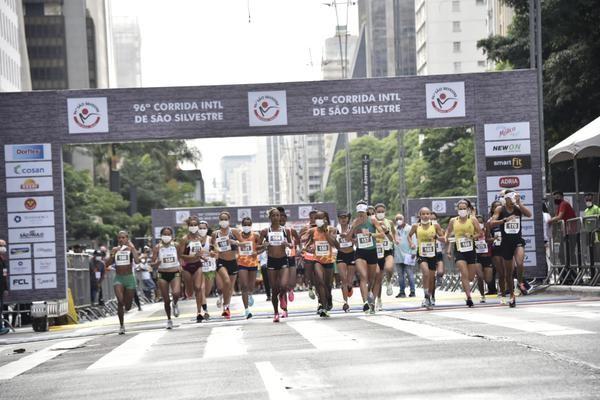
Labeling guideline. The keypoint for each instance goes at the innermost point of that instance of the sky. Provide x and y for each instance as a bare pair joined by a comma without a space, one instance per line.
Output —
217,42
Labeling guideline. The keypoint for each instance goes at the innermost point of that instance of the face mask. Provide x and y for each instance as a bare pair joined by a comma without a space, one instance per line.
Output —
399,222
481,226
165,239
203,232
380,216
557,201
224,224
587,204
502,201
462,213
193,229
246,229
2,249
320,222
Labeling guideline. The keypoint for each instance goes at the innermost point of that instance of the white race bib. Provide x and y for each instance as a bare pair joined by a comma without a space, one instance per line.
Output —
497,238
464,245
427,249
439,247
209,265
481,246
512,227
275,238
194,248
223,244
98,274
364,240
380,251
168,257
344,244
123,257
322,248
387,245
246,249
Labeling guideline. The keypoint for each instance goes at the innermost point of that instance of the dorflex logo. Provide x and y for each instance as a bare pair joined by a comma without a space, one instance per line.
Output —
15,170
267,108
87,115
507,148
445,100
27,152
506,131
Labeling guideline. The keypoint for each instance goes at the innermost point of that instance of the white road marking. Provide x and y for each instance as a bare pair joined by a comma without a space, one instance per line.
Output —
272,380
543,328
595,304
12,369
561,312
129,353
324,337
422,330
225,341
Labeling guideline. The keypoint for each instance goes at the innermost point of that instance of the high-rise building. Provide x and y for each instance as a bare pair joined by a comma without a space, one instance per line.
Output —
239,180
127,44
14,64
500,17
447,35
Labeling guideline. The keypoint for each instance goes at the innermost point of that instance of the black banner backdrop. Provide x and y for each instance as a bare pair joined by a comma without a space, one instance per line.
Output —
501,106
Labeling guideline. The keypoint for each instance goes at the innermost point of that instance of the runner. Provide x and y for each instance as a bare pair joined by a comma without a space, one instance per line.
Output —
226,242
209,264
123,256
308,257
166,260
495,235
439,258
291,253
276,239
364,228
385,254
321,240
508,217
248,264
484,258
189,252
345,258
427,233
465,228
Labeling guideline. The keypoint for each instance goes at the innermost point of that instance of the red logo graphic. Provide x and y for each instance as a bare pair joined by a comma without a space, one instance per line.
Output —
444,100
266,108
509,182
86,115
30,204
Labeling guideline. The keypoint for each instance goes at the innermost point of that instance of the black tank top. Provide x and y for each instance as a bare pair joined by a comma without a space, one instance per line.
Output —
511,228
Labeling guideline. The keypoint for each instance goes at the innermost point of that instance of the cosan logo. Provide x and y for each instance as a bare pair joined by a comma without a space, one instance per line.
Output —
20,170
32,234
509,182
507,147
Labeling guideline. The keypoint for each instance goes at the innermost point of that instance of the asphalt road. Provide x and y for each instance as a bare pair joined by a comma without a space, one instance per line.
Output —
546,348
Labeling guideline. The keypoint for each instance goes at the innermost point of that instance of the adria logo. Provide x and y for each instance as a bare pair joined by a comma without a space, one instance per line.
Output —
509,182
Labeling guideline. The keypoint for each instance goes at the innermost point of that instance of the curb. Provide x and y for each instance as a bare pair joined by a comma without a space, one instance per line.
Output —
585,291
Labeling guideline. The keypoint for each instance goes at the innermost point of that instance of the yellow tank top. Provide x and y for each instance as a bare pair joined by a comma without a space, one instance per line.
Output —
464,233
426,240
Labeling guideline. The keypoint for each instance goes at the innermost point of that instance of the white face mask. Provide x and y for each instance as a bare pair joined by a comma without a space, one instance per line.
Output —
2,249
246,229
165,239
320,222
425,220
588,203
399,222
463,213
193,229
224,224
502,201
380,216
203,232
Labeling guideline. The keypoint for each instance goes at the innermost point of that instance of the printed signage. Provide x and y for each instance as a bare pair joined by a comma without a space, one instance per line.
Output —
181,217
445,100
507,163
45,281
17,185
44,249
366,180
44,265
17,251
244,213
507,148
515,182
87,115
529,243
19,169
508,131
526,196
24,220
20,282
19,267
27,204
27,152
28,235
267,108
530,259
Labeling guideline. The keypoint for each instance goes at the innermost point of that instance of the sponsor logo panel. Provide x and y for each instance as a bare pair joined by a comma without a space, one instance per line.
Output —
18,251
507,148
516,182
529,243
19,267
267,108
445,100
44,265
33,203
181,216
87,115
27,152
19,169
507,131
34,184
526,197
29,235
44,249
45,281
530,260
23,220
20,282
507,163
527,228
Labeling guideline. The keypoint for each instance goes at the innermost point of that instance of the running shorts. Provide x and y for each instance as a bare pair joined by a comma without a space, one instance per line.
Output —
127,281
485,261
275,264
369,255
439,257
230,265
168,276
291,262
245,268
192,267
346,258
509,245
470,257
431,262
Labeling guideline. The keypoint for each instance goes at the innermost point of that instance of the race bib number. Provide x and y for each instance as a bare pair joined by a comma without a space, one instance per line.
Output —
427,249
497,238
387,245
380,251
344,244
194,248
168,260
364,240
223,244
321,248
209,265
439,247
512,227
464,245
481,246
275,238
122,257
246,248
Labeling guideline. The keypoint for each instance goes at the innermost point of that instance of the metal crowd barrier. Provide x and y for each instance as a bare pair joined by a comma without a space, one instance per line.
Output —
575,252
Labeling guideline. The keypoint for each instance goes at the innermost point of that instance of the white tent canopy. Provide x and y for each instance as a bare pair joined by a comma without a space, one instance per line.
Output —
583,143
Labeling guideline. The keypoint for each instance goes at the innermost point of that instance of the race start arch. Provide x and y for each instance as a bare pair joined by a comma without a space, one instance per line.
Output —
501,106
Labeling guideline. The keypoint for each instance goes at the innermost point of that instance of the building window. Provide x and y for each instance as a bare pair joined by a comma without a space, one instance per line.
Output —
456,47
455,5
481,63
479,2
457,66
455,26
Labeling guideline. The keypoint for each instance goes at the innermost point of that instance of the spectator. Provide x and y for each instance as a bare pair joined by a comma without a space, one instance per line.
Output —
96,277
563,209
142,272
591,209
404,257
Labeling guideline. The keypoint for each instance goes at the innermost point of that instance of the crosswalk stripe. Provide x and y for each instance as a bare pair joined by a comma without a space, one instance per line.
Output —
272,380
225,341
12,369
422,330
324,337
595,304
129,352
561,312
543,328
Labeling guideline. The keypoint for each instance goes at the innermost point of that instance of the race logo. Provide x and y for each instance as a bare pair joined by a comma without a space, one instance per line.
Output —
267,108
87,115
445,99
30,204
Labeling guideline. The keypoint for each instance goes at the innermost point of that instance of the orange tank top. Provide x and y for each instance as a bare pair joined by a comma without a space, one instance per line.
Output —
247,256
323,250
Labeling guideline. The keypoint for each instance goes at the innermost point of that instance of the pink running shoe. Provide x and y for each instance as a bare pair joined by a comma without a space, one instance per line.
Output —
276,318
284,314
291,295
283,300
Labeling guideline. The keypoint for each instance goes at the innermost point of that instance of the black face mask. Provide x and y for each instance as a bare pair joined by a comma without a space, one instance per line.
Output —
557,201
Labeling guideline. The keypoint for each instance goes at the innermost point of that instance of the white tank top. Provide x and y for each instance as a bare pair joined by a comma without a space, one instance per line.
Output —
168,257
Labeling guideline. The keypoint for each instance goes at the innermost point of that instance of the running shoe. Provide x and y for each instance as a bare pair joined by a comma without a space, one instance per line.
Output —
346,307
169,324
371,308
366,307
175,310
276,317
379,305
206,316
370,298
226,313
325,314
220,301
469,302
401,295
513,302
432,301
284,314
412,294
424,303
268,298
250,300
247,313
199,318
122,330
438,280
311,293
329,306
388,288
502,299
482,300
283,300
428,304
523,289
291,295
350,291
